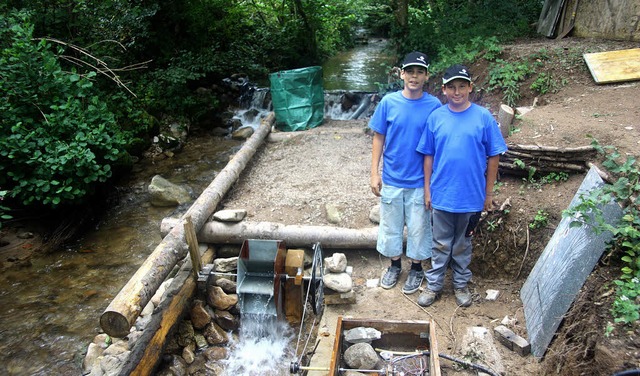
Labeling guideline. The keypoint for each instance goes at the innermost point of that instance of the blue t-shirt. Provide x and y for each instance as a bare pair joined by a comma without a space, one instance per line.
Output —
402,121
460,143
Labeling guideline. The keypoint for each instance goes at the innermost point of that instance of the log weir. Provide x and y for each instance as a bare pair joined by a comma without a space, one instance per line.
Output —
123,310
294,235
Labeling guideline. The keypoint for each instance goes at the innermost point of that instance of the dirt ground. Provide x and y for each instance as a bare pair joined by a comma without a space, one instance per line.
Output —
292,181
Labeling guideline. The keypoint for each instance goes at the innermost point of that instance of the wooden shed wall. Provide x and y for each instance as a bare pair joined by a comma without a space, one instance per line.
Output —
608,19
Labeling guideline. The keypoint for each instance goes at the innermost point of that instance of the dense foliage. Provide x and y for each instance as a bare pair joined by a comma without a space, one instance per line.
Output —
85,81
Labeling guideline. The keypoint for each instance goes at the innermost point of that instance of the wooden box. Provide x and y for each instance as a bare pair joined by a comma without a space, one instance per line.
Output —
398,338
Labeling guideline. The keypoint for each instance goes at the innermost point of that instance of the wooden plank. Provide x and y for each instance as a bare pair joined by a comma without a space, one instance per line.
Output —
192,242
614,66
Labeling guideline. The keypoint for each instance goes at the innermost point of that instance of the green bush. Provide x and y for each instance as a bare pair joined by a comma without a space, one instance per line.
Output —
57,137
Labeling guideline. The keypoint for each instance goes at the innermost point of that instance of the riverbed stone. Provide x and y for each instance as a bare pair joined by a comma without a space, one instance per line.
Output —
361,356
188,355
165,193
226,285
242,133
340,282
185,333
175,367
226,320
230,215
225,265
215,335
218,299
337,263
200,315
215,353
94,351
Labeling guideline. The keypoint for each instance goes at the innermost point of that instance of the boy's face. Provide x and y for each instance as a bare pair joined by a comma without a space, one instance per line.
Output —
414,77
457,93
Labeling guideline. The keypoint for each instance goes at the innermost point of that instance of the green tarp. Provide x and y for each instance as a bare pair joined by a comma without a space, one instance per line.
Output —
298,98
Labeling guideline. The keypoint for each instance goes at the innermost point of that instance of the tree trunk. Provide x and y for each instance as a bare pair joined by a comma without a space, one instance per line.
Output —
294,235
123,310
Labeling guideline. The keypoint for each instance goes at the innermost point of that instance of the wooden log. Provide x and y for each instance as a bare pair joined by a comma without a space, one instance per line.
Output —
505,118
148,348
293,235
551,149
123,310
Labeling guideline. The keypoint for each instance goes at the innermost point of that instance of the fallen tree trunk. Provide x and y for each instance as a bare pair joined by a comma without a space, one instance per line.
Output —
123,310
294,235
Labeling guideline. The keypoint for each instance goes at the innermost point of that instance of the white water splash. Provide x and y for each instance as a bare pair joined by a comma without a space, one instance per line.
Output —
265,348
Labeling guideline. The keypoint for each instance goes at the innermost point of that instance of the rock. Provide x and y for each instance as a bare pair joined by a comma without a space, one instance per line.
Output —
230,215
215,335
337,263
94,351
215,353
200,315
185,333
478,344
226,320
333,214
242,133
175,367
492,294
188,355
219,299
374,214
361,356
362,335
225,265
165,193
226,285
340,282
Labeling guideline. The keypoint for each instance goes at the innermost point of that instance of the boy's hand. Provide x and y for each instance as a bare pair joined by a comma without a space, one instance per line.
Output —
488,203
376,184
427,199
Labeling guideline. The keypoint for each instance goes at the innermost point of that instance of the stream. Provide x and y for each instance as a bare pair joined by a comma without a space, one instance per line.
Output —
50,310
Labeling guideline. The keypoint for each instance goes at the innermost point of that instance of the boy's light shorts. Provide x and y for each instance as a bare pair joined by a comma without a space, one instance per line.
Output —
400,207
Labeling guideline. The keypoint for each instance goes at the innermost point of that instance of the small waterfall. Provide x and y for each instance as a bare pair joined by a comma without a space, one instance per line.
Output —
255,104
265,347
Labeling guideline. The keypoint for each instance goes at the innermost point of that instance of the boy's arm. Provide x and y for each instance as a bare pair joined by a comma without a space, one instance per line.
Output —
492,175
376,154
428,170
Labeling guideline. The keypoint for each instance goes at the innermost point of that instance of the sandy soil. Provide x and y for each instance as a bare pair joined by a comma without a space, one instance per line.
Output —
292,181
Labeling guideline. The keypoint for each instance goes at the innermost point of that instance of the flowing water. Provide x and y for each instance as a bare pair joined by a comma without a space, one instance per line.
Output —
50,310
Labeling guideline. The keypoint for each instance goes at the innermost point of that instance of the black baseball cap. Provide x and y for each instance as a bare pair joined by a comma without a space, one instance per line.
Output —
415,58
456,71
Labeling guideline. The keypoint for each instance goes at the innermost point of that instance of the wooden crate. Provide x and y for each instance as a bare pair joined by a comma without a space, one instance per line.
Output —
398,337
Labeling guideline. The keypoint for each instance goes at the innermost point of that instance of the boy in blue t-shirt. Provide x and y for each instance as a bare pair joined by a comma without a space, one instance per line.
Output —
398,122
461,144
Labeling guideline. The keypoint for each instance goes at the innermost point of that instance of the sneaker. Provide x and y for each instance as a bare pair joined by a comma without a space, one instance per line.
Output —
427,297
390,277
463,297
414,281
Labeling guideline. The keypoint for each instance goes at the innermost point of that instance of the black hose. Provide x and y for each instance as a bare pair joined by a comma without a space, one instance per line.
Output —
629,372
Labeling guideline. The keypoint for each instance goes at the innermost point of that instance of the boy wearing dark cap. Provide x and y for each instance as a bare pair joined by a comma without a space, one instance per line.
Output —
398,122
461,144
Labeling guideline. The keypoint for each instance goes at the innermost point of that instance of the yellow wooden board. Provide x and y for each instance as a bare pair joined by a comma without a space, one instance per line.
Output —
614,66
